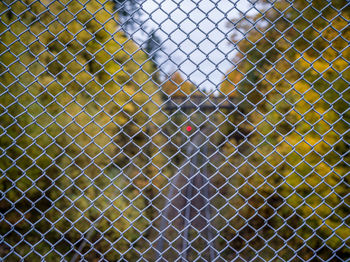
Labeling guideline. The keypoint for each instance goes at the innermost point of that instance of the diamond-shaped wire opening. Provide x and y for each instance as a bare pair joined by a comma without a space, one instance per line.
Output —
174,131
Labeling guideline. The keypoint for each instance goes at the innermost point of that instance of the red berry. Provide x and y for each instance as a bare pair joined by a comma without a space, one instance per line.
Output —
188,128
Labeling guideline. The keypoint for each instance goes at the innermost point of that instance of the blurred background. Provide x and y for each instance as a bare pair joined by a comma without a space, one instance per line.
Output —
88,148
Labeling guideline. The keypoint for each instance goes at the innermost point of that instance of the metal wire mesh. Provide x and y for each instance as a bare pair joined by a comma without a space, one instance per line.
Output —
108,153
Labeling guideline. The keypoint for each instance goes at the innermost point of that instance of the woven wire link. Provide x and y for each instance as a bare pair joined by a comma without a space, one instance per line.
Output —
109,154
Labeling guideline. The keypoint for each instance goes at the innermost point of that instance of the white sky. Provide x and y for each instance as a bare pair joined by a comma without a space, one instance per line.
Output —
196,36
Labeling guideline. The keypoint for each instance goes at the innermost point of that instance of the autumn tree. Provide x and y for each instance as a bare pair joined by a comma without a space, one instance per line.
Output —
290,84
76,101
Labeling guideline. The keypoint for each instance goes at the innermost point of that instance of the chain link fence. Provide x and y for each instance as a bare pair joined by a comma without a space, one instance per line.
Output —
110,154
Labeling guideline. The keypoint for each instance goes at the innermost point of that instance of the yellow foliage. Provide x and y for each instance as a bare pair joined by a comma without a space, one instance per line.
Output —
177,86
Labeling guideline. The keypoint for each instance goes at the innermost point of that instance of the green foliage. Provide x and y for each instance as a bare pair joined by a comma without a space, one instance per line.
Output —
293,96
86,150
73,94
